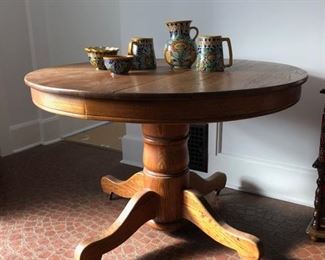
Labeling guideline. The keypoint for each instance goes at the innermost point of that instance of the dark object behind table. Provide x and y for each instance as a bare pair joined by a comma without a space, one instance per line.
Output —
316,228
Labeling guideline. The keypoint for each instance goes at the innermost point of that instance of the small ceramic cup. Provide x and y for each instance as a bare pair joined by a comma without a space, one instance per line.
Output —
210,53
143,52
96,54
118,64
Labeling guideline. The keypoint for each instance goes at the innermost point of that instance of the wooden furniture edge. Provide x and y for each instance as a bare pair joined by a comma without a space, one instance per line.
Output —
172,111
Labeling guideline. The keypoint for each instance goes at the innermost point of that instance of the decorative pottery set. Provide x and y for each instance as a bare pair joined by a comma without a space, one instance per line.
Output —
180,52
143,52
210,53
180,49
96,54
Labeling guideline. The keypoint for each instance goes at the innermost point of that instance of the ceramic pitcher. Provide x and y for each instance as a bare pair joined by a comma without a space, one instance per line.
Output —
210,53
143,53
180,49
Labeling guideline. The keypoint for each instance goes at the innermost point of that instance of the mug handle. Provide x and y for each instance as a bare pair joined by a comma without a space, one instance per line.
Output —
130,48
196,30
230,52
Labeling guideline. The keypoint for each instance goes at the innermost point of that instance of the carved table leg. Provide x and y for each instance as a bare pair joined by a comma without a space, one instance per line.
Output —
125,189
141,208
216,181
165,159
159,194
198,211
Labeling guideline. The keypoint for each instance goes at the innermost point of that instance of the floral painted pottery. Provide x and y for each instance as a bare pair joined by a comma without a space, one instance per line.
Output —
180,49
118,64
143,52
96,54
210,53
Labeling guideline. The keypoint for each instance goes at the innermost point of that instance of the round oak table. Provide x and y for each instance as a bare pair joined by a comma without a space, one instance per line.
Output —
165,192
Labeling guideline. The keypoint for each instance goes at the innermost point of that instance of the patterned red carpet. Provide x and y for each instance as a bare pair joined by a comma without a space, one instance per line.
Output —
50,199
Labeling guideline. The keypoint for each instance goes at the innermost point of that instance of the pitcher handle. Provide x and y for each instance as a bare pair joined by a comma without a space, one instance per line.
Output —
130,48
230,52
196,30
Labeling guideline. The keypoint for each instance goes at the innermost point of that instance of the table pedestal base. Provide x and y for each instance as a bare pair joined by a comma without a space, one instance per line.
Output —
165,193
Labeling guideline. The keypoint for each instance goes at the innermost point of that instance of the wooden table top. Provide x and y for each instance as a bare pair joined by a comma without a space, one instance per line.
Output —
83,80
247,89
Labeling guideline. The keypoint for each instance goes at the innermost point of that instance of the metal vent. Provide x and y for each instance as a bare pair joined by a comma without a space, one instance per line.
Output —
198,147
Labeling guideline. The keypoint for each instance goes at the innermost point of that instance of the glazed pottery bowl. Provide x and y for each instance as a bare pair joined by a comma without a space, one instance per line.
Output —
96,54
118,64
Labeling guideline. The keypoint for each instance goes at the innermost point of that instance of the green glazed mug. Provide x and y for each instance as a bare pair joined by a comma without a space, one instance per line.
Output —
210,53
143,52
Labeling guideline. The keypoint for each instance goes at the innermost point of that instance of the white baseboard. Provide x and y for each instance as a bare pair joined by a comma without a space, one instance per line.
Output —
46,131
132,163
82,128
269,179
132,148
50,130
71,126
25,135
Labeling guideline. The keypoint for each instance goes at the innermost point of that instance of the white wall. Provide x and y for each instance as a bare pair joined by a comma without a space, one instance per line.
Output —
5,146
37,34
15,62
73,25
270,155
61,30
